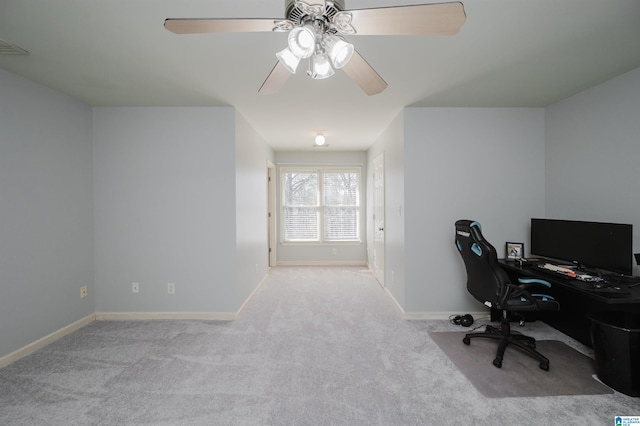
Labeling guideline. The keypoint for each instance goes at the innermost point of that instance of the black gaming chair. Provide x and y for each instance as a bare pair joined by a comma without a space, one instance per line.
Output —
490,284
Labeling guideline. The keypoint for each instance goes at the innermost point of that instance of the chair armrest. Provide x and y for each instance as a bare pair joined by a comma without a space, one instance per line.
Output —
544,297
521,292
534,281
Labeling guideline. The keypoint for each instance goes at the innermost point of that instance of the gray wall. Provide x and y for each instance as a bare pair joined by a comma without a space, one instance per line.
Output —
46,212
593,155
391,145
485,164
159,206
162,195
347,253
165,209
252,245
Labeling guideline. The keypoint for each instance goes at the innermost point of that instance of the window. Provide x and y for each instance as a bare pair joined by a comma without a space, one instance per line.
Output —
320,205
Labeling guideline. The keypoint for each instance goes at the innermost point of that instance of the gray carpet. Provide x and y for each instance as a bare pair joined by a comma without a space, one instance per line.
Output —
315,346
570,372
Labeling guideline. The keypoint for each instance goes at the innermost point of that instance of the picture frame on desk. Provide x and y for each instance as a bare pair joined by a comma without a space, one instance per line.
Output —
514,251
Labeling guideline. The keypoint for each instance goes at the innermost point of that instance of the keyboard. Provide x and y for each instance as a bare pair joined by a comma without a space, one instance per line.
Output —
621,279
604,289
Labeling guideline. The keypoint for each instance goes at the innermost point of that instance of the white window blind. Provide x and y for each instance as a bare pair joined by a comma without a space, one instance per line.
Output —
340,206
301,202
320,205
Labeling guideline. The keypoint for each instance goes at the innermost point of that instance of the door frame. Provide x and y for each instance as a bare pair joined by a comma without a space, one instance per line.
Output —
271,214
378,205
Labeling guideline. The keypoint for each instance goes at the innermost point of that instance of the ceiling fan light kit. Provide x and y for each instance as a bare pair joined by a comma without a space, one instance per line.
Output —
315,31
302,41
314,37
288,59
338,49
320,67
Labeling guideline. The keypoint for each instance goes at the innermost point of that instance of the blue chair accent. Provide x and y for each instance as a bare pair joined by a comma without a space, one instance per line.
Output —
534,281
477,224
544,297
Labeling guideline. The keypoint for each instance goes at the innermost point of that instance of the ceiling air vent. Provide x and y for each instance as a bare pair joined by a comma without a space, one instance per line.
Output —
7,48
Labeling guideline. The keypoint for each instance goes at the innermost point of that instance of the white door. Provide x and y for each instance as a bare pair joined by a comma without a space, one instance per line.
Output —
378,218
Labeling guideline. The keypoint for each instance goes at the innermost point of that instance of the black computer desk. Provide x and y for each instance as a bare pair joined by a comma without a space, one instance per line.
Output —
578,300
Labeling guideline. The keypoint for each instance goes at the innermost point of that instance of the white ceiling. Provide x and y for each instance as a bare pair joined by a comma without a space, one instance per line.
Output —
509,53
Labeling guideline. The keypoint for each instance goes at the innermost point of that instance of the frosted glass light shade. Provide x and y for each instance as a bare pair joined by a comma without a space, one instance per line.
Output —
339,51
320,140
302,41
288,59
321,67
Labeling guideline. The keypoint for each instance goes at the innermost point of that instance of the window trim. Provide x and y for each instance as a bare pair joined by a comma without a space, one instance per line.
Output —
320,170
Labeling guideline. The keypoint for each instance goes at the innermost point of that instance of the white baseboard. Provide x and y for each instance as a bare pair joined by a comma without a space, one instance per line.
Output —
393,300
46,340
255,290
430,315
122,316
322,263
440,315
142,316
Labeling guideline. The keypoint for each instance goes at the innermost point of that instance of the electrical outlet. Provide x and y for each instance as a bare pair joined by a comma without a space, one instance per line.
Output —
334,251
171,288
83,292
135,288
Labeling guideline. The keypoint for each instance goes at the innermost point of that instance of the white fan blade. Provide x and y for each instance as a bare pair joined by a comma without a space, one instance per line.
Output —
364,75
425,19
276,79
213,25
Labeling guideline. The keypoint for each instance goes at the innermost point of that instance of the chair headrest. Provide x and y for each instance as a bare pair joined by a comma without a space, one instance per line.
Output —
464,227
469,229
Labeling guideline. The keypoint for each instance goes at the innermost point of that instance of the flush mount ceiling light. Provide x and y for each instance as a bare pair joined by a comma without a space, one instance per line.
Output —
316,29
320,140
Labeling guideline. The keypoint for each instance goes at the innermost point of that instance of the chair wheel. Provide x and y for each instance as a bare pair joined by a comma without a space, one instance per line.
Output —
544,366
498,363
466,341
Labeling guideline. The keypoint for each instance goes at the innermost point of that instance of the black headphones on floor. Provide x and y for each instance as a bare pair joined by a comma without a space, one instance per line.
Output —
463,320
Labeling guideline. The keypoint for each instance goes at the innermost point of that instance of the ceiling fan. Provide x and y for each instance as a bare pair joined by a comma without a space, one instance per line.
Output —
316,29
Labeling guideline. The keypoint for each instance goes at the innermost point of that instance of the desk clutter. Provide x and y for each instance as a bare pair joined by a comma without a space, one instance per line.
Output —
588,281
569,272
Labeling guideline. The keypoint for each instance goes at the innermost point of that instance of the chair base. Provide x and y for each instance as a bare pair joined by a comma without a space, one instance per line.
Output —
503,335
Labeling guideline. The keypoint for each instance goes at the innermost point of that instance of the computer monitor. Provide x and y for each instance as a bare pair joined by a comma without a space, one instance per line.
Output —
598,245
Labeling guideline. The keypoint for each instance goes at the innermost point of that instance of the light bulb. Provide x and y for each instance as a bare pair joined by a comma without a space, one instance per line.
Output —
302,41
320,140
339,51
321,67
